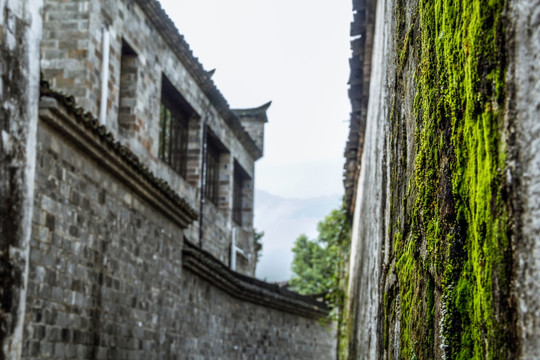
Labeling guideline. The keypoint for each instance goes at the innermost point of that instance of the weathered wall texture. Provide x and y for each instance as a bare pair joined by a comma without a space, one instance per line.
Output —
73,60
446,233
524,77
107,275
20,33
105,268
368,220
94,250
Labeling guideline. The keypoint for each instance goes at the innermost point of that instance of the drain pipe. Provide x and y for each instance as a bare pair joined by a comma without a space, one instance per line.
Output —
235,249
203,187
104,76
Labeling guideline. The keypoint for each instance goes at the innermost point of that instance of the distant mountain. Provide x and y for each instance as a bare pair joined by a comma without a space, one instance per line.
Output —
283,220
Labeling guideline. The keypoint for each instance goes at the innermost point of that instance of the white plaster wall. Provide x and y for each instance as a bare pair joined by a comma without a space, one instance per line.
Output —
524,74
369,219
19,142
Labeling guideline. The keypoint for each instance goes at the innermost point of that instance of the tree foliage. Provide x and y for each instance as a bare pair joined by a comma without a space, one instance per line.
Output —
257,237
319,264
320,267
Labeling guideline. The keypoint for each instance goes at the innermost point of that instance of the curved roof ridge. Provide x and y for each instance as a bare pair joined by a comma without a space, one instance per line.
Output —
259,111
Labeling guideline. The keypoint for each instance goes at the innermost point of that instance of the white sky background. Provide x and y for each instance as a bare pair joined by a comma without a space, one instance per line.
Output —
295,53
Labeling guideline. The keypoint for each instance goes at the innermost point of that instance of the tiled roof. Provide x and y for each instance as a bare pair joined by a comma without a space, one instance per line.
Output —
250,289
258,112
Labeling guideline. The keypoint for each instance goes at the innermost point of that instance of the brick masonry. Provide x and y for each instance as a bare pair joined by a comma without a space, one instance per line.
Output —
101,266
72,60
106,279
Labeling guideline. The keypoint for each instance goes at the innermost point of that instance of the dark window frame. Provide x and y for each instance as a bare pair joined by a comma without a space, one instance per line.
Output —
212,172
214,150
174,117
239,180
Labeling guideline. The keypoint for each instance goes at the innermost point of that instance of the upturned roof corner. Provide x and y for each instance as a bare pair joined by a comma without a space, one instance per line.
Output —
255,113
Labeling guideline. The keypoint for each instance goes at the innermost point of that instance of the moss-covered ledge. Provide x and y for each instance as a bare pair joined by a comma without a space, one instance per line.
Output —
61,113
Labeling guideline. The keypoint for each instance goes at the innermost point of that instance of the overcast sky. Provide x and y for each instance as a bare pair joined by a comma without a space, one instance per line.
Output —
295,53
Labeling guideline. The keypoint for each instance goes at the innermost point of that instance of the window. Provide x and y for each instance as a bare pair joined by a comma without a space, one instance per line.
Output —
212,172
128,88
240,180
174,121
215,159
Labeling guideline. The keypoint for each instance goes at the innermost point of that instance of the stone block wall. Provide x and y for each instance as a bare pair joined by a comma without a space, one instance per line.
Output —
127,97
73,61
253,121
215,239
444,258
255,128
65,49
245,263
108,280
240,330
126,21
105,267
247,205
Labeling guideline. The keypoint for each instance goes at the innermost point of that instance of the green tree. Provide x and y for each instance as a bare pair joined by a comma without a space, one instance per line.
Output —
320,267
257,236
311,267
319,264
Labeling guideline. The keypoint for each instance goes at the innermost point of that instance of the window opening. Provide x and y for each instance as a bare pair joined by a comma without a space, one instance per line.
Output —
174,121
212,171
239,181
128,87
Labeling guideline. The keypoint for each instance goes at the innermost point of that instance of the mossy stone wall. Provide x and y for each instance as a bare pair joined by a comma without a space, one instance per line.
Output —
451,248
446,281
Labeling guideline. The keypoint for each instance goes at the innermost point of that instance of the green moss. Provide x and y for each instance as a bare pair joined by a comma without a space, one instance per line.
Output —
343,334
455,235
386,329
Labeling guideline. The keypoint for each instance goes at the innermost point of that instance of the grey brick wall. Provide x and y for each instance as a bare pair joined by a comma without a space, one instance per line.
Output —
72,60
105,267
106,279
